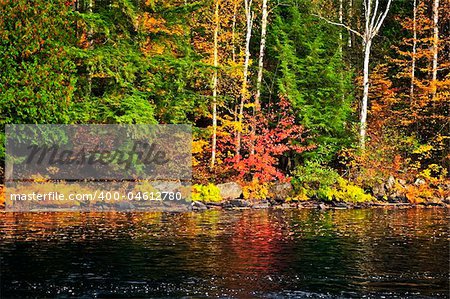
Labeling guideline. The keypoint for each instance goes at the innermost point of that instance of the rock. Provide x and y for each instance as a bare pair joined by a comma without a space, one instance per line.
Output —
198,206
308,205
379,191
167,186
284,205
339,205
261,205
231,190
214,205
280,191
402,183
238,203
123,205
323,206
419,182
390,183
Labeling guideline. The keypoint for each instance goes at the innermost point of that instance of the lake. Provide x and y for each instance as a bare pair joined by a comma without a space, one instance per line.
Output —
361,253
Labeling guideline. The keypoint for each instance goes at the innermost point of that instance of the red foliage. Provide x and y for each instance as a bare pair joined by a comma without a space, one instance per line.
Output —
276,134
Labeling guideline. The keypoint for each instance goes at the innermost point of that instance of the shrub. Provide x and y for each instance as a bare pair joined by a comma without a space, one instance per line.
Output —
256,190
346,191
206,193
316,181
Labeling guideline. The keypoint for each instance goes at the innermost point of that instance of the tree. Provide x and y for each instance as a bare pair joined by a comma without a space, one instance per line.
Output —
37,77
435,44
249,16
216,33
373,17
414,50
310,72
262,46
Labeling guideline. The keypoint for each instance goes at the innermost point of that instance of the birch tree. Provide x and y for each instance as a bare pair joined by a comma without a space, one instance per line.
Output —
249,16
262,45
414,50
350,15
214,84
435,45
374,17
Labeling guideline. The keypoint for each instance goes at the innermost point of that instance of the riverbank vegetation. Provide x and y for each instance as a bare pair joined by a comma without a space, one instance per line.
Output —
345,100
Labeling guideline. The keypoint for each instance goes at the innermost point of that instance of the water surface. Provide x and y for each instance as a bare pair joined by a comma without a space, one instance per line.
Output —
370,253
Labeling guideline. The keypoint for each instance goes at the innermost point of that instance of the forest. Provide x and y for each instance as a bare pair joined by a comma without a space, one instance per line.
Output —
346,100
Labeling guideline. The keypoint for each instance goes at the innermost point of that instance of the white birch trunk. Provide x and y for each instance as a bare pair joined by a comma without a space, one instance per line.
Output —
435,45
365,99
261,54
214,104
414,50
233,31
249,18
340,21
262,46
350,16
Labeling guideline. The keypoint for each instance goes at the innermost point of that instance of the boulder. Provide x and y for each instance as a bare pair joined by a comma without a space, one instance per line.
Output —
323,206
402,183
390,183
238,203
379,190
198,206
419,182
261,205
280,191
231,190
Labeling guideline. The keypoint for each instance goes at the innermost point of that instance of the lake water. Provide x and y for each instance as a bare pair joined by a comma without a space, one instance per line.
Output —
368,253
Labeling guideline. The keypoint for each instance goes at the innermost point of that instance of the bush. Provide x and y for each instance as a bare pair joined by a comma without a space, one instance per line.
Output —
346,191
316,181
256,190
208,193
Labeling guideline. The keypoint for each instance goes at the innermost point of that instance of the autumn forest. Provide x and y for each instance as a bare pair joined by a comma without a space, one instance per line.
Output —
347,100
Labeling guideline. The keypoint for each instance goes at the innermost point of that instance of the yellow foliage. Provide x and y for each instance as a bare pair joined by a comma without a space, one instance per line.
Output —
208,193
346,191
2,195
422,149
418,194
256,190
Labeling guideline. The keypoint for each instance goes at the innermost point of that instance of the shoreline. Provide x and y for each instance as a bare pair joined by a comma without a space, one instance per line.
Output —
241,204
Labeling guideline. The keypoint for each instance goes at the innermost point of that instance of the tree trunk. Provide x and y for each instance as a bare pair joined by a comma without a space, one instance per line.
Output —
261,55
249,16
214,105
435,45
262,45
233,31
363,123
350,15
414,50
340,21
90,38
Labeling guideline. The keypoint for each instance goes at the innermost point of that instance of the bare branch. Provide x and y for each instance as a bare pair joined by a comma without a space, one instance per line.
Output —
380,22
374,14
339,24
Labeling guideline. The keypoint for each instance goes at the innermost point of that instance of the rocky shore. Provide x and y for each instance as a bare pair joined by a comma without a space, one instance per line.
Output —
239,204
391,194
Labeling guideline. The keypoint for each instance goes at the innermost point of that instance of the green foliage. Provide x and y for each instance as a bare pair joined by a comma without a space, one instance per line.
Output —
313,76
346,191
206,193
37,75
316,181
